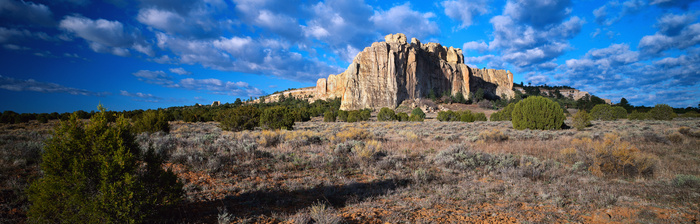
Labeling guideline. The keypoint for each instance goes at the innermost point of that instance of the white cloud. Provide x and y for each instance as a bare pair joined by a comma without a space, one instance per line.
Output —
155,77
537,13
138,95
180,71
465,11
402,19
613,11
105,36
683,4
654,44
473,45
13,84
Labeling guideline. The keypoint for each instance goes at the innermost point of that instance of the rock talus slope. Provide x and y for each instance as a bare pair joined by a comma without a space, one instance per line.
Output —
389,72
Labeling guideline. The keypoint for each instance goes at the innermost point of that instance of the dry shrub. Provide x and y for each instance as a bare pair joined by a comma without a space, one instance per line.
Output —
351,133
675,137
269,138
367,150
322,214
688,132
493,136
409,135
610,157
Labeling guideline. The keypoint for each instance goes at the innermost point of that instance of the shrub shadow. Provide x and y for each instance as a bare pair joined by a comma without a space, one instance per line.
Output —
270,202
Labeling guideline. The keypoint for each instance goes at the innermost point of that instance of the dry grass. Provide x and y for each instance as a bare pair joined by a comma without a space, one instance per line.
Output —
376,172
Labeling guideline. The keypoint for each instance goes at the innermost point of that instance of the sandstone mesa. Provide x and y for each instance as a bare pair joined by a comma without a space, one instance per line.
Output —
390,72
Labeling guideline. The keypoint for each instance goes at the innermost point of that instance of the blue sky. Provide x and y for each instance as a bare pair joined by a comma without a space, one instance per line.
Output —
67,55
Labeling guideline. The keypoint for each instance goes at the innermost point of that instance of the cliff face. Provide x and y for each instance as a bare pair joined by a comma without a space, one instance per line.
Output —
387,73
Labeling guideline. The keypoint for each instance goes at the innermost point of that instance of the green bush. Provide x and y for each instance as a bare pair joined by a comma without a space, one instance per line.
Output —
342,115
418,112
354,116
386,114
448,116
239,118
619,112
505,114
402,116
329,116
278,117
581,120
480,117
365,114
152,121
301,114
415,117
691,114
466,116
685,180
95,172
635,115
606,112
537,113
662,112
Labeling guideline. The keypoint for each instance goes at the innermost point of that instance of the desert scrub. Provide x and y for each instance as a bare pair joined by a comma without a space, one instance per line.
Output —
684,180
493,136
610,157
537,113
351,133
581,120
96,173
152,121
448,116
239,118
460,157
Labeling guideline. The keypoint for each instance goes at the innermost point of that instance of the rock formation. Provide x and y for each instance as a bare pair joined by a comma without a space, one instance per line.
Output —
387,73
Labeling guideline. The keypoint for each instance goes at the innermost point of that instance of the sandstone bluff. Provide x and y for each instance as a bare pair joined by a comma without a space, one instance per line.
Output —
387,73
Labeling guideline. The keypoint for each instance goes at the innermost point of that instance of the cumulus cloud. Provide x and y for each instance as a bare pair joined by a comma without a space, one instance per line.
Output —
349,17
671,24
524,46
277,17
473,45
616,71
213,86
687,36
22,11
613,11
155,77
180,71
13,84
403,19
105,36
188,18
538,13
465,11
245,54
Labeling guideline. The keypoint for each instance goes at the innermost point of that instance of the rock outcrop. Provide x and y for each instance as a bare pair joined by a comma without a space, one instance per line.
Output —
387,73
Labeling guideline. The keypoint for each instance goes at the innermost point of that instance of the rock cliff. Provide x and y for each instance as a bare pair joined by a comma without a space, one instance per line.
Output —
387,73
